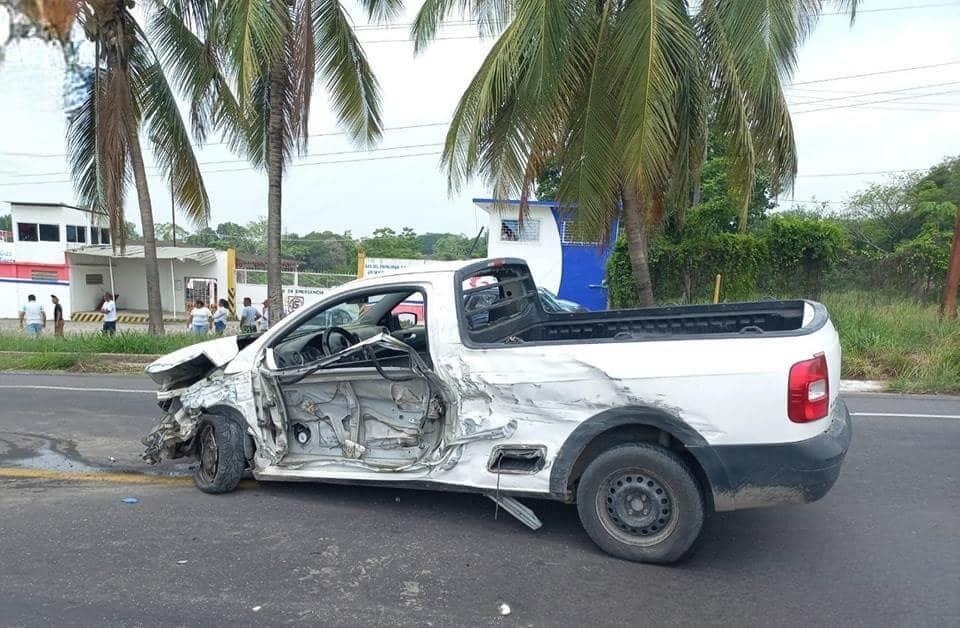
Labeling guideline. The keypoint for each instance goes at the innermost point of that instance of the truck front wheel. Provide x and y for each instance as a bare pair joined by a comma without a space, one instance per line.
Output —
220,454
640,502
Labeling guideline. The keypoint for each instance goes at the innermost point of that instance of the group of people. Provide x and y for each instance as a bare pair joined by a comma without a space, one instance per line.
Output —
33,318
251,319
203,318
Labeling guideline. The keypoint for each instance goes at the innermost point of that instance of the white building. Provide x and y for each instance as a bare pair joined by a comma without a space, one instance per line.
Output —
32,257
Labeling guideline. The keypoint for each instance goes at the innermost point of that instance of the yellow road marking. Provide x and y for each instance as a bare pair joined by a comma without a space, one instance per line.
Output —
104,477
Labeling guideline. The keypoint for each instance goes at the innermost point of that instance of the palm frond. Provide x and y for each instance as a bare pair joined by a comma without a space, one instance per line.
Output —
651,52
510,118
591,159
252,32
381,11
302,66
82,146
194,68
491,16
733,117
351,85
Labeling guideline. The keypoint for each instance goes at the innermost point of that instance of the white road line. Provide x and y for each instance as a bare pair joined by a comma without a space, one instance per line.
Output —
84,389
907,415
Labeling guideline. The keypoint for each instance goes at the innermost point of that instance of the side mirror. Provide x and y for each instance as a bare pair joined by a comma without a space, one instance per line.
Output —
407,319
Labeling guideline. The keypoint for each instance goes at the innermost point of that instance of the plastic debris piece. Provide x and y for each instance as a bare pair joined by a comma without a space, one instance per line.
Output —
181,562
504,608
256,609
130,500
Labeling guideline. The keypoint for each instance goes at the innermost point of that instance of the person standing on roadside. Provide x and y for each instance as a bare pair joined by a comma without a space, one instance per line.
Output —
109,309
220,317
57,316
32,317
248,317
200,319
264,320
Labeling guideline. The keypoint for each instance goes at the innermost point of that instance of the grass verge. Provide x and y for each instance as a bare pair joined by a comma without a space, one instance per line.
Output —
124,342
902,341
76,362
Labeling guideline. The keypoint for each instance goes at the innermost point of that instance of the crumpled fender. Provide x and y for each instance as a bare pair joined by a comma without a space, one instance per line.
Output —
191,364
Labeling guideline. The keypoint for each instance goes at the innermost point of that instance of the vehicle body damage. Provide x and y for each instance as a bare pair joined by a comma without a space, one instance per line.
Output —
457,377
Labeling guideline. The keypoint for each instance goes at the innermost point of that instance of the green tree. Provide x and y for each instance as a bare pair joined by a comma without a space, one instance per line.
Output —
165,232
127,93
618,93
385,242
6,223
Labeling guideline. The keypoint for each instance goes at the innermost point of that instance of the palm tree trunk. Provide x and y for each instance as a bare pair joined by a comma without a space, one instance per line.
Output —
635,226
948,306
151,267
274,196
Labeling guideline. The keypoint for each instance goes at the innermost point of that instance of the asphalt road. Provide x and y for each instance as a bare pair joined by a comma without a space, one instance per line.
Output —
880,549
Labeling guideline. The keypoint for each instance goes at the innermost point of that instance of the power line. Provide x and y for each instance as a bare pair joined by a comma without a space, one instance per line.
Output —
878,73
247,168
205,144
856,174
238,160
874,102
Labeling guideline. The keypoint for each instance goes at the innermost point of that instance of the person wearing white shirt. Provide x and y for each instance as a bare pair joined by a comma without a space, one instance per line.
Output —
33,318
220,317
109,309
264,320
200,319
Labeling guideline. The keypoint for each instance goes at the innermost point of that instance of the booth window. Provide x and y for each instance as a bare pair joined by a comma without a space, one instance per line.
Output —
512,231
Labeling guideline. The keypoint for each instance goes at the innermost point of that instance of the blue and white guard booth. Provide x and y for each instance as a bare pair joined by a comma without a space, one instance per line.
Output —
560,261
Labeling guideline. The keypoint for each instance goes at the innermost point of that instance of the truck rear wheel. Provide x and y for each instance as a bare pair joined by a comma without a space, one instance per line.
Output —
640,502
220,454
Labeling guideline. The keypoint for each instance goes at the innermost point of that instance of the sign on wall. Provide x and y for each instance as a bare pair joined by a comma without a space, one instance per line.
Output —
373,266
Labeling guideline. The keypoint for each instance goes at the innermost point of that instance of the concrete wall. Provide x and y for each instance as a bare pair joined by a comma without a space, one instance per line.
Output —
84,297
293,296
13,294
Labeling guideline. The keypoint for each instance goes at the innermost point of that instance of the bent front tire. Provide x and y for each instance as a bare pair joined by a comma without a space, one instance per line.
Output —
640,502
220,454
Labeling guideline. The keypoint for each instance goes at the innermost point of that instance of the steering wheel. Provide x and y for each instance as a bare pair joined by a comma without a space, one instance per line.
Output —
347,339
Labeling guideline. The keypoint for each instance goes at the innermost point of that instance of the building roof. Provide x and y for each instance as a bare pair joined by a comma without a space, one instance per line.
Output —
484,203
200,255
34,204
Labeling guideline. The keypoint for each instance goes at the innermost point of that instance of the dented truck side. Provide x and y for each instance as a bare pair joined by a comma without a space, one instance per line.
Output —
647,419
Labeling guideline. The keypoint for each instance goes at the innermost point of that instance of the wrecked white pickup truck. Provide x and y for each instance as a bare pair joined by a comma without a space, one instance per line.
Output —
455,376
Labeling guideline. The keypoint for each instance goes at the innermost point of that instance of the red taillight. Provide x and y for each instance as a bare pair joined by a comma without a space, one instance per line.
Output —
808,391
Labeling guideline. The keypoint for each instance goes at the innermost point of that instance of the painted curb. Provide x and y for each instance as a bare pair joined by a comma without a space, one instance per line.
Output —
862,386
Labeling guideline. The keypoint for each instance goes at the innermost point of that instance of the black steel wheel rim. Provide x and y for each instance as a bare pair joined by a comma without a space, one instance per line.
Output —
636,507
209,454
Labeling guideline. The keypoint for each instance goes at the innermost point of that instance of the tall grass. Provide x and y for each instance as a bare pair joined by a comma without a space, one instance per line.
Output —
124,342
898,340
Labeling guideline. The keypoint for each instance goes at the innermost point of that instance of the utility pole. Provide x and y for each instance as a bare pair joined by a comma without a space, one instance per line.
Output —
173,217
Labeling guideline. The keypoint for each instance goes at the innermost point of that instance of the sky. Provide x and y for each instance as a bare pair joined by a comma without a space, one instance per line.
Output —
850,132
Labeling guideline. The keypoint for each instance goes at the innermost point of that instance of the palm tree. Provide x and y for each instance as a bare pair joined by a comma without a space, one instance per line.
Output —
127,92
271,53
618,93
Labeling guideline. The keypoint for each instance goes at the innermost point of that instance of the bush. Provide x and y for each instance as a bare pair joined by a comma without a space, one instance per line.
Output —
901,340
